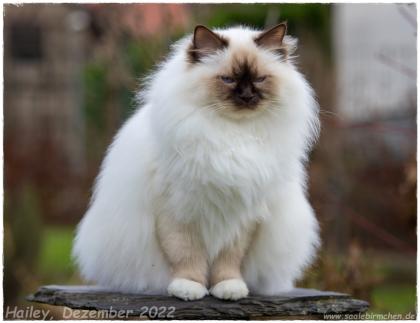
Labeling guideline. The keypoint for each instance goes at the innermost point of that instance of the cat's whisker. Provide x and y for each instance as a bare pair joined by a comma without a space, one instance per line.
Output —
195,110
329,113
321,111
273,101
274,112
186,117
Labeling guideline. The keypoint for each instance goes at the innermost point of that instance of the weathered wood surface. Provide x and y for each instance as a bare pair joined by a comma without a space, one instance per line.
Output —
299,303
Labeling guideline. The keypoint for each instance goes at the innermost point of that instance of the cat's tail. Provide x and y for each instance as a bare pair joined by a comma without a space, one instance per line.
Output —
116,244
119,254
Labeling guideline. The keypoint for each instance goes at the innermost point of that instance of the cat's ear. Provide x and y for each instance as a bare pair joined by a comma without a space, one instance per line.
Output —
272,38
205,42
275,39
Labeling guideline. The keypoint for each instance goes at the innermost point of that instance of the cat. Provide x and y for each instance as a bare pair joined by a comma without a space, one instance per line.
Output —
203,190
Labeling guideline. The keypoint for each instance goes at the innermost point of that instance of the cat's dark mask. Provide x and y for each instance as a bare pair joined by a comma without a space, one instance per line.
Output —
243,84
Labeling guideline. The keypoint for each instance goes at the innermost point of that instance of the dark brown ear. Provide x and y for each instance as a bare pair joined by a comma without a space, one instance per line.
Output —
272,38
205,42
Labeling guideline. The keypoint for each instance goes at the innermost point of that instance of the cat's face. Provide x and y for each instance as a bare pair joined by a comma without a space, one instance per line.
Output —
242,78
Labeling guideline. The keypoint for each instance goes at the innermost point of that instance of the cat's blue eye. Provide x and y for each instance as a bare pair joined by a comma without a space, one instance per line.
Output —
227,79
260,79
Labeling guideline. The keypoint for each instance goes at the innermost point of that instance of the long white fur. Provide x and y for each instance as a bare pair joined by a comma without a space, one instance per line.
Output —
178,155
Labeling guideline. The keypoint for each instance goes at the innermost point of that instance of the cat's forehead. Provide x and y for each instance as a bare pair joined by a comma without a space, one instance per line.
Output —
243,62
238,36
242,54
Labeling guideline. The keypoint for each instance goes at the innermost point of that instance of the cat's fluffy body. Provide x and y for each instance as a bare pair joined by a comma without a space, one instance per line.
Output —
176,154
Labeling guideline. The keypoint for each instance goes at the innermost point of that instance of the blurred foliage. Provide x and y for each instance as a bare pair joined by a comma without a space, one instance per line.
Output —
385,281
394,298
54,261
95,88
313,17
22,235
139,55
310,16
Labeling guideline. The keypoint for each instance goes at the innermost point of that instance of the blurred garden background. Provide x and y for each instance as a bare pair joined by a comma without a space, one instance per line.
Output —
70,75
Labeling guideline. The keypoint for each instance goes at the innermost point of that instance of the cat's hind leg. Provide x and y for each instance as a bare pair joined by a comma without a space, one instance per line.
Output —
283,246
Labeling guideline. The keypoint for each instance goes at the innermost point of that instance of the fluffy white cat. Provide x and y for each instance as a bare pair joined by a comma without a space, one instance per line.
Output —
203,188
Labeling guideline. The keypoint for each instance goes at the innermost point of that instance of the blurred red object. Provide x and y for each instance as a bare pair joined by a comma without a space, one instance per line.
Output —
142,20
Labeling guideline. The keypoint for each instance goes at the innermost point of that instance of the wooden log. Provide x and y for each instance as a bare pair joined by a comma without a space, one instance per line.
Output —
299,303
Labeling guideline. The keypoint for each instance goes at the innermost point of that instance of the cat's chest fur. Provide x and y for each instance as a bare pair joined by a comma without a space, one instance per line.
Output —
220,183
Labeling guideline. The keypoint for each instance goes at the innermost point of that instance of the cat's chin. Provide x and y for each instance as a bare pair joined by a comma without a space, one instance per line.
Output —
241,113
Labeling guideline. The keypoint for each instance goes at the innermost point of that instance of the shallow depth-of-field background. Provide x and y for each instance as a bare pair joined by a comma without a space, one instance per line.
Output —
70,74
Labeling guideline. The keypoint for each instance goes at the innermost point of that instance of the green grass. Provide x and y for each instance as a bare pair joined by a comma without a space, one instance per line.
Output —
394,298
55,255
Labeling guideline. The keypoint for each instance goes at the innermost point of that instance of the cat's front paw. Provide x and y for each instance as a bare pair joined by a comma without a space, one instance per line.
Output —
230,289
186,289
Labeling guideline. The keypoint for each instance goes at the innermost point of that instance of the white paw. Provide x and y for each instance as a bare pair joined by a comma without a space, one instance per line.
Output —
186,289
232,289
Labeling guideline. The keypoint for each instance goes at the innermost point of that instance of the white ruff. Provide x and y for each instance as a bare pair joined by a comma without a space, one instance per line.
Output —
177,156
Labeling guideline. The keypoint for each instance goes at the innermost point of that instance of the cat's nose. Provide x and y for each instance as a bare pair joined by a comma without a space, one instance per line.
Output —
246,95
247,98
